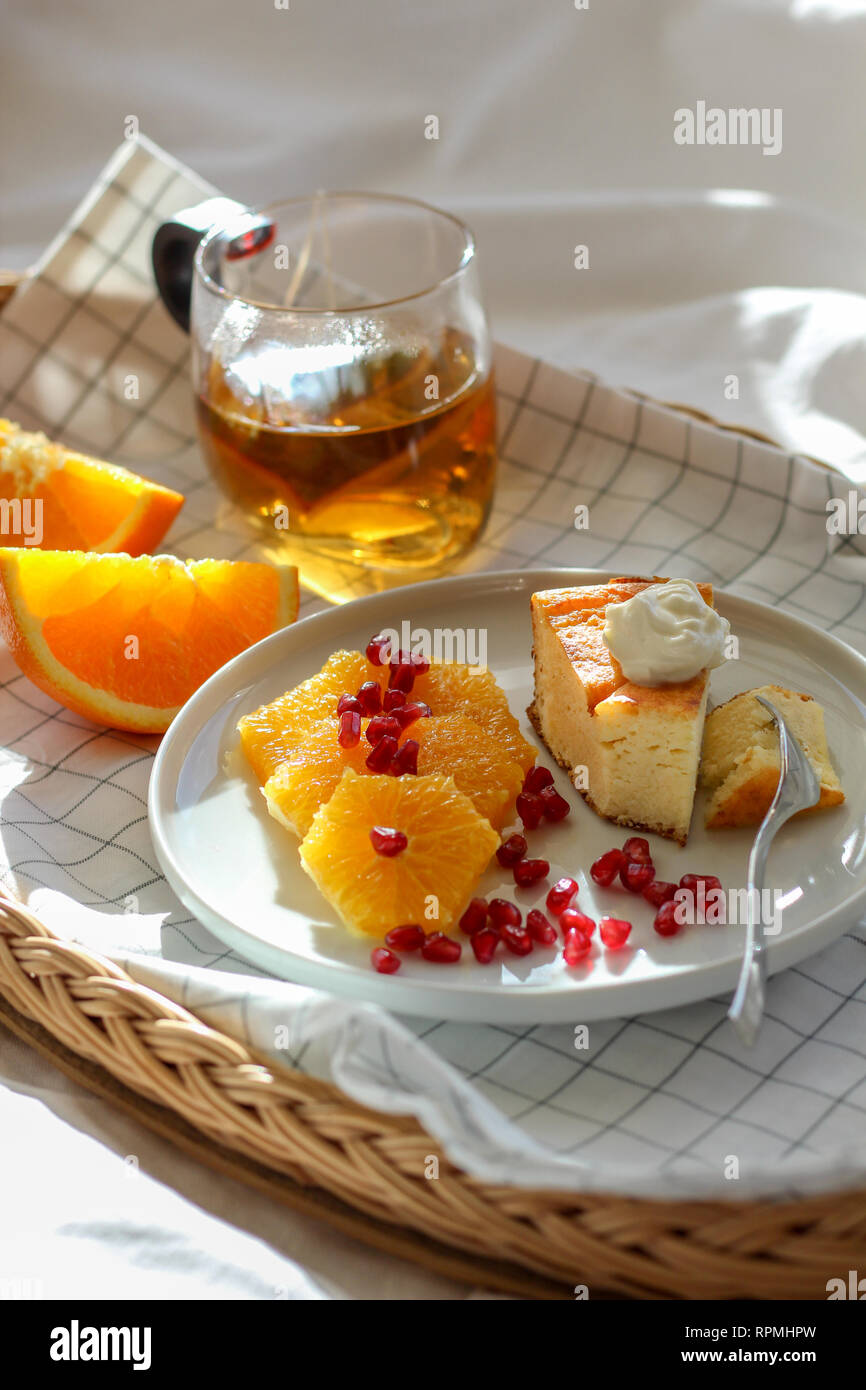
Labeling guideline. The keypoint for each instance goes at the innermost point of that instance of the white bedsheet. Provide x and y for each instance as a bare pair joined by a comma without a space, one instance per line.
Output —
556,129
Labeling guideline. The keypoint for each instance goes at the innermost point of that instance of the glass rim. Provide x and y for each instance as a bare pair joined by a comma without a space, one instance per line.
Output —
466,258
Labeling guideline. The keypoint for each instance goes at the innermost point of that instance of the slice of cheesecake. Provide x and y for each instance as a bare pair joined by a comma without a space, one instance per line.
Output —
741,766
632,751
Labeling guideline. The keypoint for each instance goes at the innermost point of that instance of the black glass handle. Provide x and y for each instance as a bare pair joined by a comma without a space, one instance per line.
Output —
175,243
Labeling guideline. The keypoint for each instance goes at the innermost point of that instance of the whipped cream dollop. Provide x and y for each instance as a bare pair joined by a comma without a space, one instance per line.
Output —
665,634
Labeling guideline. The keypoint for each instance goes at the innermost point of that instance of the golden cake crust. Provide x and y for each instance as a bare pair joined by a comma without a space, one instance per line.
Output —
577,616
641,771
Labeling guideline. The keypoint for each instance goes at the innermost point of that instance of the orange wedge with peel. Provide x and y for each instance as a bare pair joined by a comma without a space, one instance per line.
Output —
127,640
57,499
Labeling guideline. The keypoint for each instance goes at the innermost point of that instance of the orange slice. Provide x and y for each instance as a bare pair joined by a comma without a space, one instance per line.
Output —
452,746
66,501
271,733
448,846
483,770
451,687
126,641
309,773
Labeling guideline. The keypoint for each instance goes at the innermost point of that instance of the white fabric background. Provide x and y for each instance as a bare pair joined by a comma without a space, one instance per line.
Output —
556,129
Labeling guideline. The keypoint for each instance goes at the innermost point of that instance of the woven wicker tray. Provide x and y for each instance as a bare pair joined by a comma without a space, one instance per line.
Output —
310,1147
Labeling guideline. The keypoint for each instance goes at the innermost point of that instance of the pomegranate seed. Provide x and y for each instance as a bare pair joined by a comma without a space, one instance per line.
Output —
381,725
606,868
530,809
378,649
380,758
387,841
419,663
665,922
528,871
402,677
537,778
503,913
715,911
384,961
349,732
539,928
659,892
555,806
635,876
573,920
442,949
350,702
407,938
637,849
474,917
370,696
690,882
406,760
408,713
561,895
511,850
392,699
484,944
517,939
577,946
614,932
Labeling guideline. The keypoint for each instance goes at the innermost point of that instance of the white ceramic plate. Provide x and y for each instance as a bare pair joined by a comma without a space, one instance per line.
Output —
238,871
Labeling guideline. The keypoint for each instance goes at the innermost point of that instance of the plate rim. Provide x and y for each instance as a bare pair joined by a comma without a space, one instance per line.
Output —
519,1003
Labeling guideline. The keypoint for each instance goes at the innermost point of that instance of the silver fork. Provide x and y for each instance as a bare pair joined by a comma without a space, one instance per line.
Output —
798,788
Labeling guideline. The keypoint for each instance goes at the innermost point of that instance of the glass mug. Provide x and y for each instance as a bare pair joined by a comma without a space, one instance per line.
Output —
342,372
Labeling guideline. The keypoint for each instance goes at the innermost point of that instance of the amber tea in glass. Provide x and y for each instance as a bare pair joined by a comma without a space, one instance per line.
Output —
344,387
